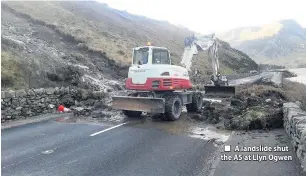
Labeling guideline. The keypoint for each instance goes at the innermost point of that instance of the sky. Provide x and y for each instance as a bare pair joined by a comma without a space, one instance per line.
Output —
215,15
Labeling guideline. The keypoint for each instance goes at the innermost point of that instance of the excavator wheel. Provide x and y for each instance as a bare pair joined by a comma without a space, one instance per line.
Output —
197,102
173,107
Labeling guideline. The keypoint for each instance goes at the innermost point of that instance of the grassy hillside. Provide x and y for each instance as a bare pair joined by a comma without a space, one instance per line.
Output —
282,43
11,74
103,29
61,42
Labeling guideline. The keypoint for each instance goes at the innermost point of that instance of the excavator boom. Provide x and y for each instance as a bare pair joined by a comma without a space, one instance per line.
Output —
211,44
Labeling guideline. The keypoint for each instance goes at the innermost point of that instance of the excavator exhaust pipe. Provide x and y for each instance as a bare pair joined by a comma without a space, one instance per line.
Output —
143,104
220,90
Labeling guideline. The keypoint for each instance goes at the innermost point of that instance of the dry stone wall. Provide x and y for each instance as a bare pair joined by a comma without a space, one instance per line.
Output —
32,102
295,125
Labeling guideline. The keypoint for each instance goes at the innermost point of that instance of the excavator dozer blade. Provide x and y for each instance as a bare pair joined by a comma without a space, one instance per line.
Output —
144,104
220,90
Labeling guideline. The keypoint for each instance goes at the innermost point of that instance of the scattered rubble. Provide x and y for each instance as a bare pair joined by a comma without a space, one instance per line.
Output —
211,112
85,111
255,107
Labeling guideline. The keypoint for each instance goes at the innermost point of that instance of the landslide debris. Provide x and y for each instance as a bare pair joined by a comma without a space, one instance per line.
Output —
254,107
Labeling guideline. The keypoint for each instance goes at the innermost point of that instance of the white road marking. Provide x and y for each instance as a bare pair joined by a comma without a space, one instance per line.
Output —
48,152
107,129
73,161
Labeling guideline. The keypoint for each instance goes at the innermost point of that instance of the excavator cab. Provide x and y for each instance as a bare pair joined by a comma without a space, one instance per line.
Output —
151,55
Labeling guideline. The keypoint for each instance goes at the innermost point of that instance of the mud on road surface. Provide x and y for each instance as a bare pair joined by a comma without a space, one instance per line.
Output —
186,125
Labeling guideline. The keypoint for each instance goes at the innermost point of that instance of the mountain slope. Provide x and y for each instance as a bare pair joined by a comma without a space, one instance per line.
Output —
283,42
83,43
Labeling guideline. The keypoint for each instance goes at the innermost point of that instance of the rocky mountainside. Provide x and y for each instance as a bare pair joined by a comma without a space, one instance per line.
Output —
282,43
86,44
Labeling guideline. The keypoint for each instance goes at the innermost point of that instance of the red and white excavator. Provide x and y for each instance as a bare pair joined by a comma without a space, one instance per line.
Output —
161,87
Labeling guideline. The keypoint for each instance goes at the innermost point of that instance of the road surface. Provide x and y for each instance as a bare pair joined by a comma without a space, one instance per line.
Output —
56,148
131,148
53,148
251,79
256,167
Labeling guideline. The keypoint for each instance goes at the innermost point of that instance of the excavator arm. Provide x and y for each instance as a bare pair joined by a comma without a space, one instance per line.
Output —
202,43
211,44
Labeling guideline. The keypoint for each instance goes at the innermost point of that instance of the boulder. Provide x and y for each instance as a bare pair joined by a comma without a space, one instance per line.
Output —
237,102
67,100
82,111
268,100
253,101
100,105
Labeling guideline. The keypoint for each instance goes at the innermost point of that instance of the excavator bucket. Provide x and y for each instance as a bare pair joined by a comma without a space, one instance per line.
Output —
144,104
220,90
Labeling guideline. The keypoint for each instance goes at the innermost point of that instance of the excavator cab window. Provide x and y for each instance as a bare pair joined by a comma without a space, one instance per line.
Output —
160,56
140,56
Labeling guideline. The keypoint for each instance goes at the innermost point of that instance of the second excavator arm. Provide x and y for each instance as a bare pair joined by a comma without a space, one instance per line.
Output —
202,43
213,53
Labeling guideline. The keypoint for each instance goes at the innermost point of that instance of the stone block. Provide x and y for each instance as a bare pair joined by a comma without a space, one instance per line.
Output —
39,91
30,93
56,90
50,91
20,93
51,106
8,94
19,108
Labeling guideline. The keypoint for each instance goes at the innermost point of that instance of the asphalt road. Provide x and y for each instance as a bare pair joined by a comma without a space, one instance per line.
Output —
53,148
60,148
251,79
271,164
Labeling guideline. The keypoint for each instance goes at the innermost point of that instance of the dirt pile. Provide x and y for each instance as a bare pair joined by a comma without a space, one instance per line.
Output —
255,107
211,112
